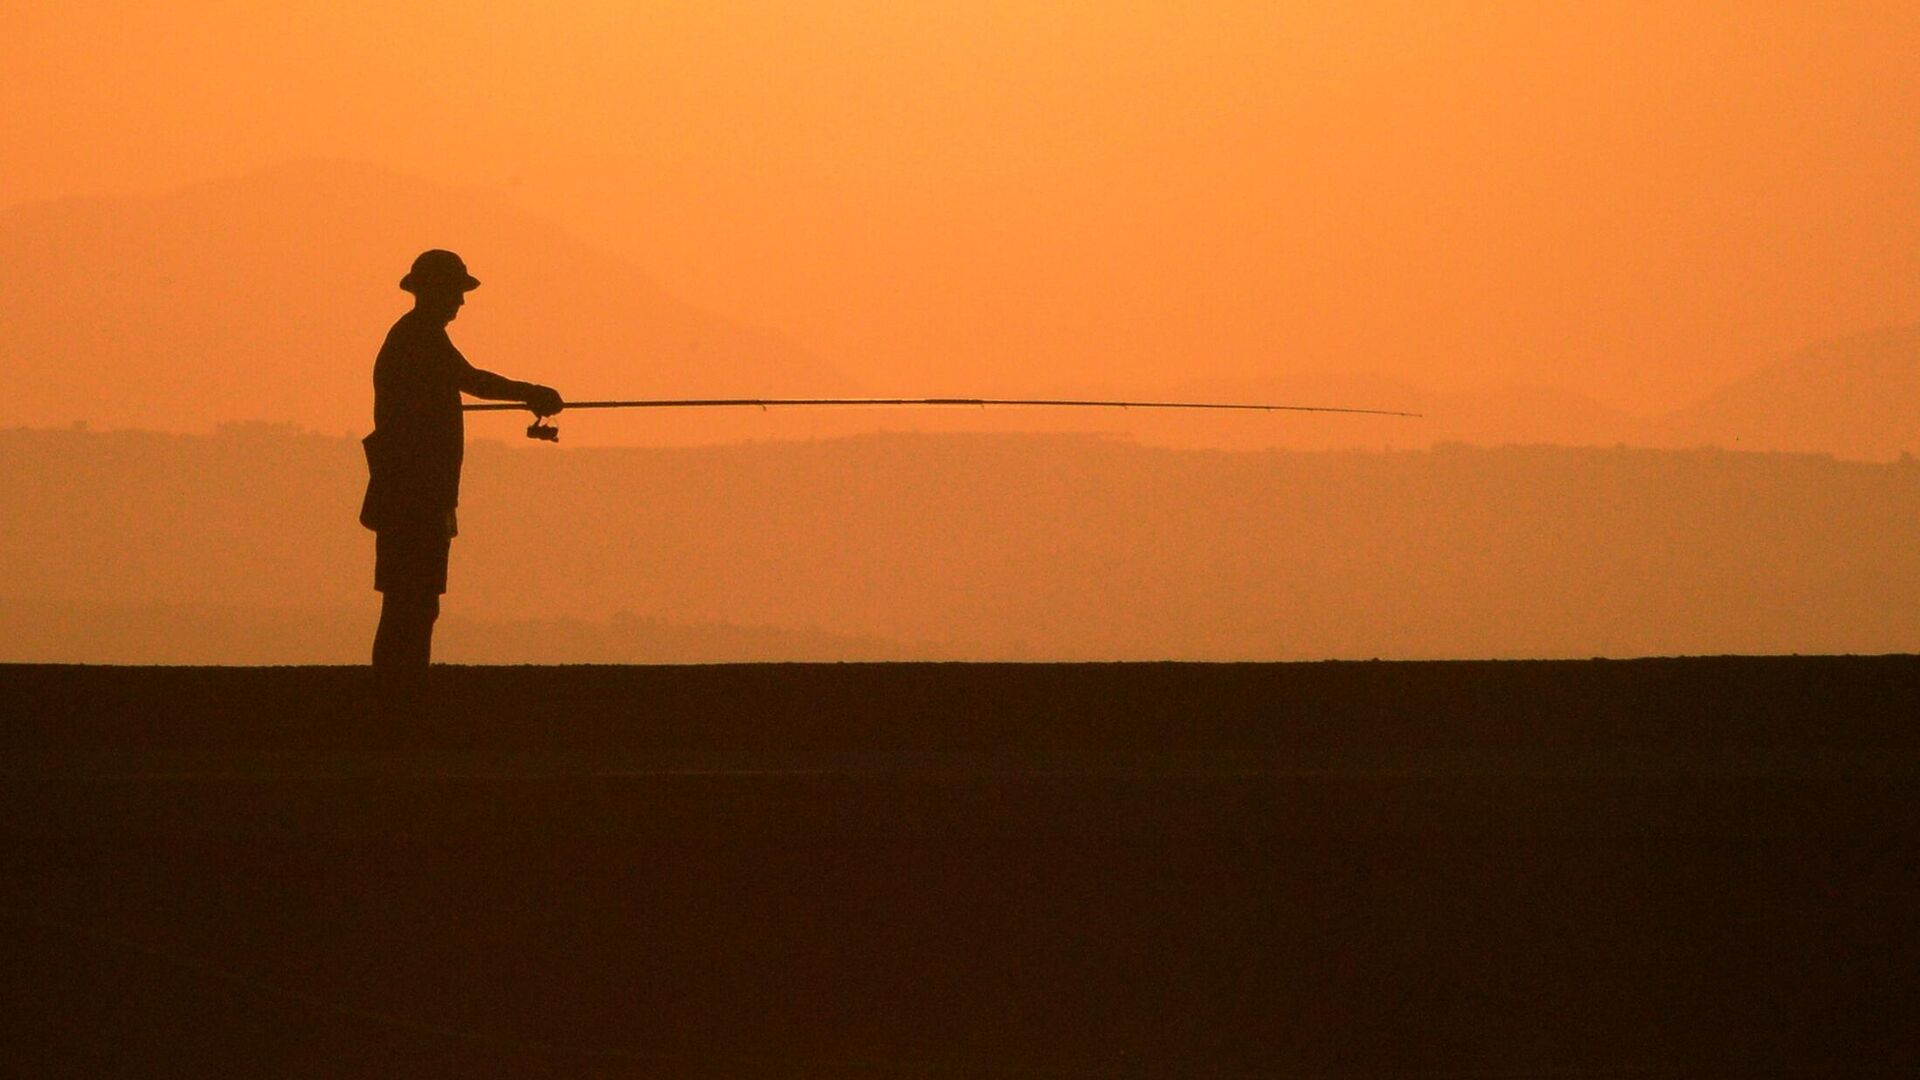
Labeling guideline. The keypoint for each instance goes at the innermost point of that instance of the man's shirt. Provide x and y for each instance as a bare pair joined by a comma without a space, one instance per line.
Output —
419,436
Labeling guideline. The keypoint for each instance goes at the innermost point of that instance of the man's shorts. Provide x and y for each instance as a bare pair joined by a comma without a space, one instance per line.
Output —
411,560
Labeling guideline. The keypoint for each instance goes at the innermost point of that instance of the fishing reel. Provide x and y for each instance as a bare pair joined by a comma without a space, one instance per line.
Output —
542,431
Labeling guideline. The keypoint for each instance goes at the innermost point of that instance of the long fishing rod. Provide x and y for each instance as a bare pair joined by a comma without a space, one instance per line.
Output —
551,433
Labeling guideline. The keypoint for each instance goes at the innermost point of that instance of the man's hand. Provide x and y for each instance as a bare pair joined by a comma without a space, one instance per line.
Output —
544,400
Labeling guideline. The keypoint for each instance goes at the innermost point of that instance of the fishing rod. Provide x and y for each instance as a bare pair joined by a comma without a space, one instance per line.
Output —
550,433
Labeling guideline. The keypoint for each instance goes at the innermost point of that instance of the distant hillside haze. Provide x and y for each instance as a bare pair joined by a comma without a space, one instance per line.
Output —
242,547
1856,397
266,297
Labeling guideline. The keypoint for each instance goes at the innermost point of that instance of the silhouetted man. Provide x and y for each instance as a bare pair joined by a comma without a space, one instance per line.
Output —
413,461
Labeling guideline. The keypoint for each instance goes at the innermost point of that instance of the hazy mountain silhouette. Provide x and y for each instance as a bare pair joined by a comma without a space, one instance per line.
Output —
1852,396
266,296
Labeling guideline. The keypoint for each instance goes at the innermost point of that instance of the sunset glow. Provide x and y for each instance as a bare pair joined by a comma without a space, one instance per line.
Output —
1658,232
1638,202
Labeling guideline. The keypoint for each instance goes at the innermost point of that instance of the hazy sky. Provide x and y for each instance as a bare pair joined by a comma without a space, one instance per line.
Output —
1634,200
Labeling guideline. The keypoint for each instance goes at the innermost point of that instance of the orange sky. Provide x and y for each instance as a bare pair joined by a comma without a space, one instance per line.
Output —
1638,201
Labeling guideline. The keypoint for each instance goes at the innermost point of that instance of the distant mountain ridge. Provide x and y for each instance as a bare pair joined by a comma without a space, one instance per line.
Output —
266,296
1856,396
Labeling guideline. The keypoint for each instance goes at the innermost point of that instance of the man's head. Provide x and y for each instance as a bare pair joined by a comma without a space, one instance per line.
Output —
439,282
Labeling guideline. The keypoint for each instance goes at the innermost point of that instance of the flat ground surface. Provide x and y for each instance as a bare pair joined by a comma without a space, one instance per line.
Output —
1669,867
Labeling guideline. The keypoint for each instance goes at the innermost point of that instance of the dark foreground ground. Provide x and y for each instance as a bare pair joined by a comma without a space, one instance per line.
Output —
1674,867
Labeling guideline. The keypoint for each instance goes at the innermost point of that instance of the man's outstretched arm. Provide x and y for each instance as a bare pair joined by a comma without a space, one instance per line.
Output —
543,400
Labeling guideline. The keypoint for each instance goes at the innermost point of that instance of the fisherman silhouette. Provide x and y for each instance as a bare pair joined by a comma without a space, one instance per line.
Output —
413,462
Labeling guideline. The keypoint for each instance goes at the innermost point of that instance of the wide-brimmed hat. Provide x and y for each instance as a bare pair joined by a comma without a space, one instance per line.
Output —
438,269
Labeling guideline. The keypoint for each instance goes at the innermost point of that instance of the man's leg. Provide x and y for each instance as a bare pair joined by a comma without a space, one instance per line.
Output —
410,570
403,645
